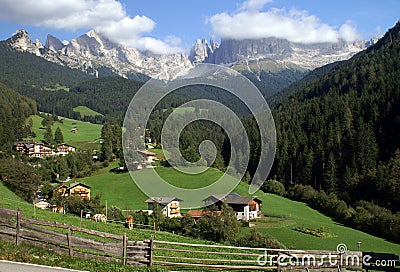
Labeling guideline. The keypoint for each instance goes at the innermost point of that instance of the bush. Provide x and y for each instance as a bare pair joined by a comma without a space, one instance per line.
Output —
219,228
255,239
141,218
171,224
115,213
304,193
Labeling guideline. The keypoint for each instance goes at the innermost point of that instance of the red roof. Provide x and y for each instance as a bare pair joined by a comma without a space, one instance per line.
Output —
145,152
201,213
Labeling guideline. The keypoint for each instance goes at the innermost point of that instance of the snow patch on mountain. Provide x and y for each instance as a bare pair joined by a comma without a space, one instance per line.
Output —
91,52
307,56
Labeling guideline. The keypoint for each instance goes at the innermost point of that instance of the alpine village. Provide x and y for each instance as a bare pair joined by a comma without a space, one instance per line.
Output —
69,196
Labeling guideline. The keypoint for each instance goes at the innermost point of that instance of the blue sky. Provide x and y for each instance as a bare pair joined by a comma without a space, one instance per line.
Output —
170,26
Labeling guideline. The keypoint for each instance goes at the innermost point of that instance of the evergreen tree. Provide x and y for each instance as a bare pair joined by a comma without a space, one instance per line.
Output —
106,151
48,135
58,136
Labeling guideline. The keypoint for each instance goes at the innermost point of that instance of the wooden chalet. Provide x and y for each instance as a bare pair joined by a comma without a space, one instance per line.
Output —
170,206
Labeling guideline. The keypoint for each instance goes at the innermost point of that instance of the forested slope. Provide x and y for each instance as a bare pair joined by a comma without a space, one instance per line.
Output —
341,133
14,110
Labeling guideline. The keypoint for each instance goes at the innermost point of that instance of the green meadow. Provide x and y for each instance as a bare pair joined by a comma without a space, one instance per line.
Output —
87,136
281,215
85,111
183,110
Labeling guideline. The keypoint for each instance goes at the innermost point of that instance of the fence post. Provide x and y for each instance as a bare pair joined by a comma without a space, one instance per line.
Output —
151,251
69,240
278,265
124,244
80,222
18,227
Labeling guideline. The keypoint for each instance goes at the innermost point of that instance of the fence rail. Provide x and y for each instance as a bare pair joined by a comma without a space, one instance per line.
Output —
75,241
245,258
69,239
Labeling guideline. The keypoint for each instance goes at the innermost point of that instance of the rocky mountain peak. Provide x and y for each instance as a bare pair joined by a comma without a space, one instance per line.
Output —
53,43
21,40
92,52
308,56
201,50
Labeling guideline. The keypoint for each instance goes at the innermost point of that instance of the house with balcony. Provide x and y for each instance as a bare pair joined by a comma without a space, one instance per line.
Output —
170,206
65,149
245,207
38,150
33,149
77,188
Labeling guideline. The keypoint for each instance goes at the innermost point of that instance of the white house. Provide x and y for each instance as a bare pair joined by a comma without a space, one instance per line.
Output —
33,149
245,207
148,156
170,206
64,149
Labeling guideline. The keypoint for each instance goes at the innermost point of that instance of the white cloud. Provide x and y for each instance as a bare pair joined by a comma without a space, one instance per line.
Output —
348,32
253,5
296,26
105,16
173,40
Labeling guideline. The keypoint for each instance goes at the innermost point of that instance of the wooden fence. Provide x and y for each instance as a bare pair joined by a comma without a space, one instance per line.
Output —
72,240
75,241
245,258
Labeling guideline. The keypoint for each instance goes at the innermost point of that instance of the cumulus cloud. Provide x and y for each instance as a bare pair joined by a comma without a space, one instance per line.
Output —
249,22
348,32
108,17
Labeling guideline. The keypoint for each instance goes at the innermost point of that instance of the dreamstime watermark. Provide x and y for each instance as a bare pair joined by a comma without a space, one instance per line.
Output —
201,76
339,258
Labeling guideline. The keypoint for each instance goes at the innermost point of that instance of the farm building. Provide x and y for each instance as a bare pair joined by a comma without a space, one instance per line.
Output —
245,207
170,206
148,156
77,188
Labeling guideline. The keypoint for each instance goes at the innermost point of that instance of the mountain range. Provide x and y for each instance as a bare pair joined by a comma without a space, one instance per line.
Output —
98,56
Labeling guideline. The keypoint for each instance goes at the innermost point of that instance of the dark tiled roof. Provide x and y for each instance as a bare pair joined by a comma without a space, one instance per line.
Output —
232,199
162,200
72,185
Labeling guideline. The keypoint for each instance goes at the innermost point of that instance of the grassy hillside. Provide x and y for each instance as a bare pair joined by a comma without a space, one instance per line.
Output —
87,137
281,214
85,111
10,201
126,195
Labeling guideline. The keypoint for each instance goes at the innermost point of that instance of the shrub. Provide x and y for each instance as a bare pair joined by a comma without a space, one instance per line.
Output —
255,239
219,228
141,218
304,193
274,187
115,213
